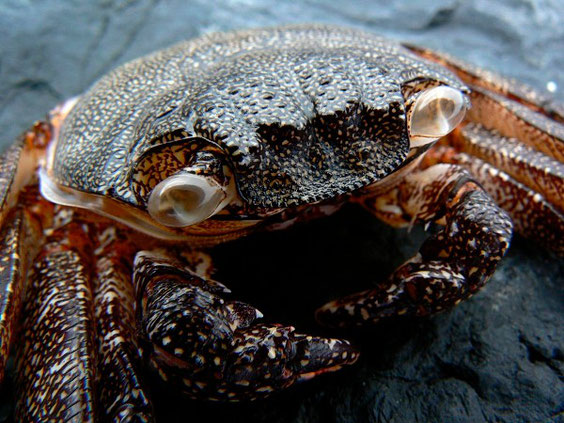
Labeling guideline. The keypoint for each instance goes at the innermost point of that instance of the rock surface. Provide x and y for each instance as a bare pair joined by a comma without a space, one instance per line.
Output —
496,358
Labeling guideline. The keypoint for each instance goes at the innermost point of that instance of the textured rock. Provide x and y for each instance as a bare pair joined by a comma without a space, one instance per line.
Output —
498,357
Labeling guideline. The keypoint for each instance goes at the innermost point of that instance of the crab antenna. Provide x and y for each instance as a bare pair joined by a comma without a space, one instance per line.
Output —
194,193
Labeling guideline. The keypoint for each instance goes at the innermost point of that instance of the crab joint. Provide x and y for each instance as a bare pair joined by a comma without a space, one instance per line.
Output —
194,193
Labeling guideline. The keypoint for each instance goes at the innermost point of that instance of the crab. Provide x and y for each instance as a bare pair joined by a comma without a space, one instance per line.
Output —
110,206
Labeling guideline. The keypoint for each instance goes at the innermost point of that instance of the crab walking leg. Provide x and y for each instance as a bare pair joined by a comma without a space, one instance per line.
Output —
9,188
20,233
524,164
122,395
18,163
211,348
56,359
515,128
450,266
515,120
533,215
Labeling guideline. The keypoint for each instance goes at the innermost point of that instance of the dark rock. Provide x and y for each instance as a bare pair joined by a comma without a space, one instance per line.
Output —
499,357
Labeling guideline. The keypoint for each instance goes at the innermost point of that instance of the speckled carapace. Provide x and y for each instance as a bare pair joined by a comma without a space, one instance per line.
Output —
109,208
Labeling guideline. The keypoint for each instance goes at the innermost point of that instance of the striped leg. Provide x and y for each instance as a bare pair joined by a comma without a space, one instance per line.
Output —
121,394
78,329
20,231
534,215
450,266
19,234
56,360
211,348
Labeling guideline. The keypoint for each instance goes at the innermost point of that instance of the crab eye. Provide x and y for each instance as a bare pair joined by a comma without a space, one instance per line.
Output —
186,198
436,112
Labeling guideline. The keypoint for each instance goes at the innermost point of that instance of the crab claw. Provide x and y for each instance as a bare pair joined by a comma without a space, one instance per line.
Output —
214,349
322,355
269,358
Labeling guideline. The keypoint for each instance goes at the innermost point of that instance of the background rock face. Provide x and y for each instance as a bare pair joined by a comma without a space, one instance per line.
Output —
498,357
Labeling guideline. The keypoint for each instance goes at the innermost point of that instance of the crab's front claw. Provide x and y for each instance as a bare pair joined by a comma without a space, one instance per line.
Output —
450,266
315,355
211,348
415,289
269,358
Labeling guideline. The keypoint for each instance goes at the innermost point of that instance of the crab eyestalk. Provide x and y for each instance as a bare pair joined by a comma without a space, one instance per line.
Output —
434,113
193,194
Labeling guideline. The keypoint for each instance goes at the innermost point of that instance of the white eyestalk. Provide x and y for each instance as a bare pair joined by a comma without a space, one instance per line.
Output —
187,198
436,112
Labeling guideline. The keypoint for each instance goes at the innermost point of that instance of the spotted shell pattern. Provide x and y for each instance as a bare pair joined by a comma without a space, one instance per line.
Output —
303,113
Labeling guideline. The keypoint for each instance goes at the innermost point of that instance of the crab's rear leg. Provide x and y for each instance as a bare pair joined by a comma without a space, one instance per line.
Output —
122,394
65,351
450,266
518,158
21,232
56,365
56,361
536,214
214,349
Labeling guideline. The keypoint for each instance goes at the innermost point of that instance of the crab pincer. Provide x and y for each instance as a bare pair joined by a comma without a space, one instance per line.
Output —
211,348
450,266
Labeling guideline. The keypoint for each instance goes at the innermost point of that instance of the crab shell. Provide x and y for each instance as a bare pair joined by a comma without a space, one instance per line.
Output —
301,114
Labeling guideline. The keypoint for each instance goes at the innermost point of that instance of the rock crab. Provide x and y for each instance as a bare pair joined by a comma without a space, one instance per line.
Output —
227,134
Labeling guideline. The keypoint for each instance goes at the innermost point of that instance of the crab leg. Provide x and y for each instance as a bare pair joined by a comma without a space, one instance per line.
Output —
17,166
534,215
515,120
56,358
19,234
526,175
530,167
450,266
211,348
20,231
122,396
